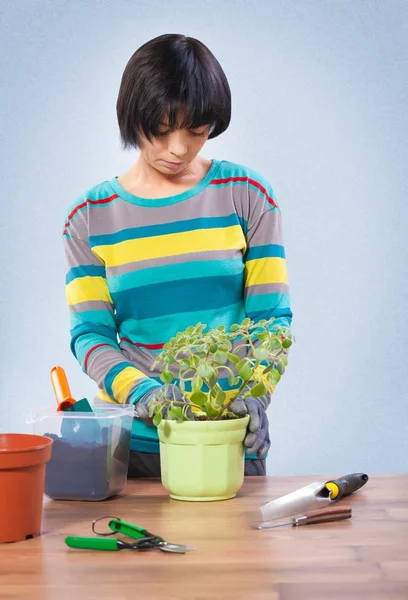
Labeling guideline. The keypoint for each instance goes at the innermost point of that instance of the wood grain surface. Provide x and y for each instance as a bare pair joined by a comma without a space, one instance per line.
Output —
365,557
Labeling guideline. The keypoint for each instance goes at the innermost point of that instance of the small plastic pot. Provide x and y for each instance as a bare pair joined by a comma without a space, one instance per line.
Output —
22,472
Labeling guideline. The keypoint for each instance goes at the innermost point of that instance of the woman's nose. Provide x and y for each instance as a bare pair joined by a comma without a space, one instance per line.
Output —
177,144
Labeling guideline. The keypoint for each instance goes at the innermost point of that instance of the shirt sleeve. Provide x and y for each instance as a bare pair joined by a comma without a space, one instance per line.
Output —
94,338
266,287
266,291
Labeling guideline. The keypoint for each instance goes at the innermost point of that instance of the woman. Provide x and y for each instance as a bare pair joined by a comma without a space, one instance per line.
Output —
175,240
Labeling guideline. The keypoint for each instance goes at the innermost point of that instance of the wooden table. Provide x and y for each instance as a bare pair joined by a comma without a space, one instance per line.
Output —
365,557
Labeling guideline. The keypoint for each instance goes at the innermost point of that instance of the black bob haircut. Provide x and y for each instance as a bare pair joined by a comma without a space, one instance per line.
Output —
165,74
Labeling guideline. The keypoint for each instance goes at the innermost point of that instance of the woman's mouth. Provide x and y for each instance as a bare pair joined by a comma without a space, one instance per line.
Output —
172,165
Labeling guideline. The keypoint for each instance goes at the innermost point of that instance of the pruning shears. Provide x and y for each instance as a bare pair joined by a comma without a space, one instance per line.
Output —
145,540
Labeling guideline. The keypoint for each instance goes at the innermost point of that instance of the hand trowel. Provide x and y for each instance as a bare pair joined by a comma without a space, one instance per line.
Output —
75,430
312,497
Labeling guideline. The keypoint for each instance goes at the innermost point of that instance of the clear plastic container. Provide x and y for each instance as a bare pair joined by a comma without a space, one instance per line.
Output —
90,453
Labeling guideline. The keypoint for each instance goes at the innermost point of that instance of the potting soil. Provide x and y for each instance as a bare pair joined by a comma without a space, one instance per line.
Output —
82,470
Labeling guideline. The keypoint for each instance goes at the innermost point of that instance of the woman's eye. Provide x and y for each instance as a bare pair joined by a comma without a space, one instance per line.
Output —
197,133
163,133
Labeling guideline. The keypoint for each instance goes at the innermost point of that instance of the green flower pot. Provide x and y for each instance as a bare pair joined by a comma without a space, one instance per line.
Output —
202,460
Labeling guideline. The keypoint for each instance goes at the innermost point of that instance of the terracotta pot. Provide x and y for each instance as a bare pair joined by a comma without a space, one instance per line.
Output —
22,472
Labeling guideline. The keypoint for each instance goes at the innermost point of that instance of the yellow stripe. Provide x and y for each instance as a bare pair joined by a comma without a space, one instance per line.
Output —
172,244
266,270
86,289
124,381
104,396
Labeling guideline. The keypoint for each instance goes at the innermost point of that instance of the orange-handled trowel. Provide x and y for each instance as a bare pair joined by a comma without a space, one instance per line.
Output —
63,395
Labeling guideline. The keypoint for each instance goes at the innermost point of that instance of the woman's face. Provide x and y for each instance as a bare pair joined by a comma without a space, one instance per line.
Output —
175,149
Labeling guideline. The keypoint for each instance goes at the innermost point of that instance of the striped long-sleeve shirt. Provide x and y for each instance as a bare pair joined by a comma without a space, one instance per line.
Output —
140,270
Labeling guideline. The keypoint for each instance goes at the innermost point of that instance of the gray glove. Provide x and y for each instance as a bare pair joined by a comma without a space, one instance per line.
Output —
172,392
257,440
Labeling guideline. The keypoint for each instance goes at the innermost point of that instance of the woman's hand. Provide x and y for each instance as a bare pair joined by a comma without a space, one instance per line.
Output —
171,392
257,440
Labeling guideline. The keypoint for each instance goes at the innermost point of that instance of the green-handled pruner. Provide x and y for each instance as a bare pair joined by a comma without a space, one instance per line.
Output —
144,539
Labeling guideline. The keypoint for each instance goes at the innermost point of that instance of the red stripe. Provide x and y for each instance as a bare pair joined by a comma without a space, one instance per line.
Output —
83,204
139,345
90,352
251,181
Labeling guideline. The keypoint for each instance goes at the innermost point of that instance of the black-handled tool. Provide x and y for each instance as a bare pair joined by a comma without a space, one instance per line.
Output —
346,485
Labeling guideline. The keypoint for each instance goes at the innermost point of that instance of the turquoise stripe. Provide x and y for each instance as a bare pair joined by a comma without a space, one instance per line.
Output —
91,334
169,200
178,296
84,271
267,302
269,250
177,272
111,374
100,317
148,231
142,389
159,330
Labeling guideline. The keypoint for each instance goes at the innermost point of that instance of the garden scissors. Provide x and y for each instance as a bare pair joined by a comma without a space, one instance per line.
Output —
144,539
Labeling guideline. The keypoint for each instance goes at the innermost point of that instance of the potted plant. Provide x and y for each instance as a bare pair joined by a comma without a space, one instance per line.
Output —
201,441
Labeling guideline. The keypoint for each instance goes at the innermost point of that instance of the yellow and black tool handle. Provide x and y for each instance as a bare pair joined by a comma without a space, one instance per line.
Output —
346,485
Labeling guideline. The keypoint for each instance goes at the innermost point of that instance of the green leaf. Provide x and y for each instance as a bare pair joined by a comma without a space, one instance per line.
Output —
233,358
213,348
220,397
246,322
246,372
220,358
195,360
197,383
281,367
234,327
170,359
167,376
182,386
213,412
184,364
258,390
176,411
275,343
221,328
212,380
284,360
152,409
274,377
286,343
267,369
199,398
189,330
241,363
261,353
231,378
263,336
205,370
225,347
157,418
